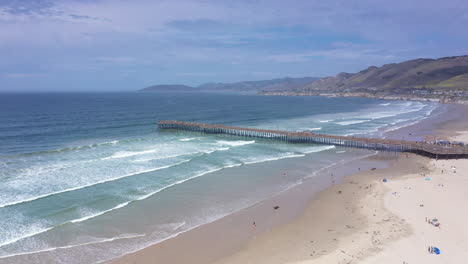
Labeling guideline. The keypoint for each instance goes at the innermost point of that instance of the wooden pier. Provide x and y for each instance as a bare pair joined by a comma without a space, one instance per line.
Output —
427,149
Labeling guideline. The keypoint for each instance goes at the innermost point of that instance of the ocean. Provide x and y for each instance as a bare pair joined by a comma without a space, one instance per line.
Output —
87,177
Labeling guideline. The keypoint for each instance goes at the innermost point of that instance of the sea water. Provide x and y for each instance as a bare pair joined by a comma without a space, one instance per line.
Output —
87,177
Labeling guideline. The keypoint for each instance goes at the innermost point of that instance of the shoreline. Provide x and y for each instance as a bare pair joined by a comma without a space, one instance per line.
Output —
365,95
335,222
238,226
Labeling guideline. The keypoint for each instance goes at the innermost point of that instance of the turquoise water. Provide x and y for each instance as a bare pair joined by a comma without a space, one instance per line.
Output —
88,177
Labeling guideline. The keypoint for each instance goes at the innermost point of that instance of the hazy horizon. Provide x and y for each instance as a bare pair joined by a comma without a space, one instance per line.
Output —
113,45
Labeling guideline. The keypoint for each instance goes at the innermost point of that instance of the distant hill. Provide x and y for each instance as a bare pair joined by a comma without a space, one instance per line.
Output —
253,86
168,88
442,79
264,85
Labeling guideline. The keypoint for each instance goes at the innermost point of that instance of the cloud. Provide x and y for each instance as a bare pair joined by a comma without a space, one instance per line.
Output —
23,75
345,54
194,41
119,60
195,74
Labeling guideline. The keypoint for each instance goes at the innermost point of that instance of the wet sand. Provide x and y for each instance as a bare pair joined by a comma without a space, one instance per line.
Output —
354,221
223,237
344,224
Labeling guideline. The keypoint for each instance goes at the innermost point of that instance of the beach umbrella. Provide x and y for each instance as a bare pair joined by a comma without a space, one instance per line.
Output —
436,250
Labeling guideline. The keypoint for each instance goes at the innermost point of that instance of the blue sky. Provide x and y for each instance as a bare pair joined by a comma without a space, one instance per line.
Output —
117,45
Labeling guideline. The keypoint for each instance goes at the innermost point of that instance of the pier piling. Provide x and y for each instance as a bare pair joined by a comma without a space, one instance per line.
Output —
418,147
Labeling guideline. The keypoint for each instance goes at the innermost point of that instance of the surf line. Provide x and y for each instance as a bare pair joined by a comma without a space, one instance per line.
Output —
91,184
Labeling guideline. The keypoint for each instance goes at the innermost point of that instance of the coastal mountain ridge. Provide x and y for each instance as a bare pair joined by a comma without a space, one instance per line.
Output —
168,88
256,86
443,79
265,85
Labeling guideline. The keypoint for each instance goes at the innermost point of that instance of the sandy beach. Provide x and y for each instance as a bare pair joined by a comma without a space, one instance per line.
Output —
363,219
233,132
366,220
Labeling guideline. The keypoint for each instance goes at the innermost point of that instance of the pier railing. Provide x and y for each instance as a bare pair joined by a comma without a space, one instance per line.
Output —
418,147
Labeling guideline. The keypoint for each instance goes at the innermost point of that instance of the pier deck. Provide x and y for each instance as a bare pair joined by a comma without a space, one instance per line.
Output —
440,151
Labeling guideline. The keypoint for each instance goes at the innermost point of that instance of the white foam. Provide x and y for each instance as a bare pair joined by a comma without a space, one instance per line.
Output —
232,165
339,163
428,113
318,149
178,182
393,128
216,217
92,184
166,157
403,109
351,122
186,139
314,128
113,142
43,169
385,104
341,151
265,159
183,154
235,143
178,225
30,234
124,154
66,149
98,214
175,234
325,121
75,245
213,150
408,122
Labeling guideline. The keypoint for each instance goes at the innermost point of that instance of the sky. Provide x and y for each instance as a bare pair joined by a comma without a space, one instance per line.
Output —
117,45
